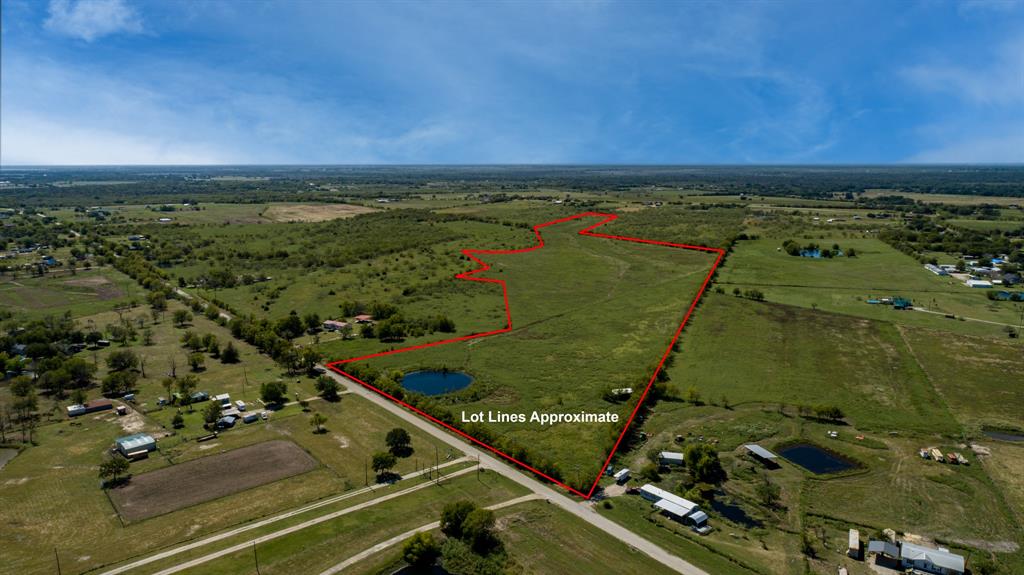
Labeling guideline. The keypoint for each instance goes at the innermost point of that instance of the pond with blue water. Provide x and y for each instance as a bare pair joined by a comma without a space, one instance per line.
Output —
815,459
431,382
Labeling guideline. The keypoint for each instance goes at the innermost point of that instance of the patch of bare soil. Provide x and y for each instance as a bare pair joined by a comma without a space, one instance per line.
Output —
207,478
313,212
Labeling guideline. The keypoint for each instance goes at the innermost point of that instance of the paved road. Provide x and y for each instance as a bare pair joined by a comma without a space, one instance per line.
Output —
263,522
400,538
300,526
557,497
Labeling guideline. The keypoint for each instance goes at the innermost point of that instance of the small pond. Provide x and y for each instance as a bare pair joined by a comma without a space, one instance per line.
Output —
815,459
429,382
1004,435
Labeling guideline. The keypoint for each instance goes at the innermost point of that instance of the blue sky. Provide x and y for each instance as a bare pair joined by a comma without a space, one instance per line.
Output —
118,82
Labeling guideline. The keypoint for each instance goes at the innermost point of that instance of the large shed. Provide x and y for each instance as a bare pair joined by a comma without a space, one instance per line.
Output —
761,454
135,443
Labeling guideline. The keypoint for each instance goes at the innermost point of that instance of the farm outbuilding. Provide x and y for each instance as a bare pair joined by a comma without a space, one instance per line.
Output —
334,325
131,445
931,560
676,507
90,407
761,454
670,458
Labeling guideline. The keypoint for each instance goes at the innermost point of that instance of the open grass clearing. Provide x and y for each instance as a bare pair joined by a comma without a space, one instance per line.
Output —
86,292
978,377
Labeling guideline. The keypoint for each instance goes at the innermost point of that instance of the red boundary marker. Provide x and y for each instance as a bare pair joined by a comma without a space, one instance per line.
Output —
484,266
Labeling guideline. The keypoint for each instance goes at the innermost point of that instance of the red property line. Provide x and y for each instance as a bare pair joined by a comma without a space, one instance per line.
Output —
484,266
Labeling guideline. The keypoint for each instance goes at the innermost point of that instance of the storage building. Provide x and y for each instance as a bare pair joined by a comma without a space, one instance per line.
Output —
133,445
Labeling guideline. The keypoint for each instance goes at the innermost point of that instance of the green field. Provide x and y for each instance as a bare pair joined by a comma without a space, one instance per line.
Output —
546,540
844,285
568,346
84,293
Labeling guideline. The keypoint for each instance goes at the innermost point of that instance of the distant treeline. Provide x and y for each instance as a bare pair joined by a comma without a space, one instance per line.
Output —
98,186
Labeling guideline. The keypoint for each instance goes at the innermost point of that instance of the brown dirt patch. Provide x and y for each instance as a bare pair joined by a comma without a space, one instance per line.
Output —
313,212
207,478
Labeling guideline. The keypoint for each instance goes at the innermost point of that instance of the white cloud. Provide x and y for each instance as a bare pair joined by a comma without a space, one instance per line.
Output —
28,140
1000,82
1003,148
92,19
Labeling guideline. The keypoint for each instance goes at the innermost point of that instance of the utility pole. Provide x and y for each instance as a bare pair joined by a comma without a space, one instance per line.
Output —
437,472
57,557
366,474
245,380
256,558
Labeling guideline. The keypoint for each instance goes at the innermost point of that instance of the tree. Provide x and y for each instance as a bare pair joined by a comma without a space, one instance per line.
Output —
398,441
81,371
703,463
317,420
327,387
312,321
478,531
113,468
197,361
692,395
78,397
168,384
308,358
147,336
383,462
182,317
119,382
211,413
186,386
177,422
650,473
768,492
122,359
274,392
229,354
454,515
421,550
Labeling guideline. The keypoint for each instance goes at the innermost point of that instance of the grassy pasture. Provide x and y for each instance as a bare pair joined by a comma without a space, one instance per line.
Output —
844,284
87,292
975,375
770,353
955,199
568,345
987,225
